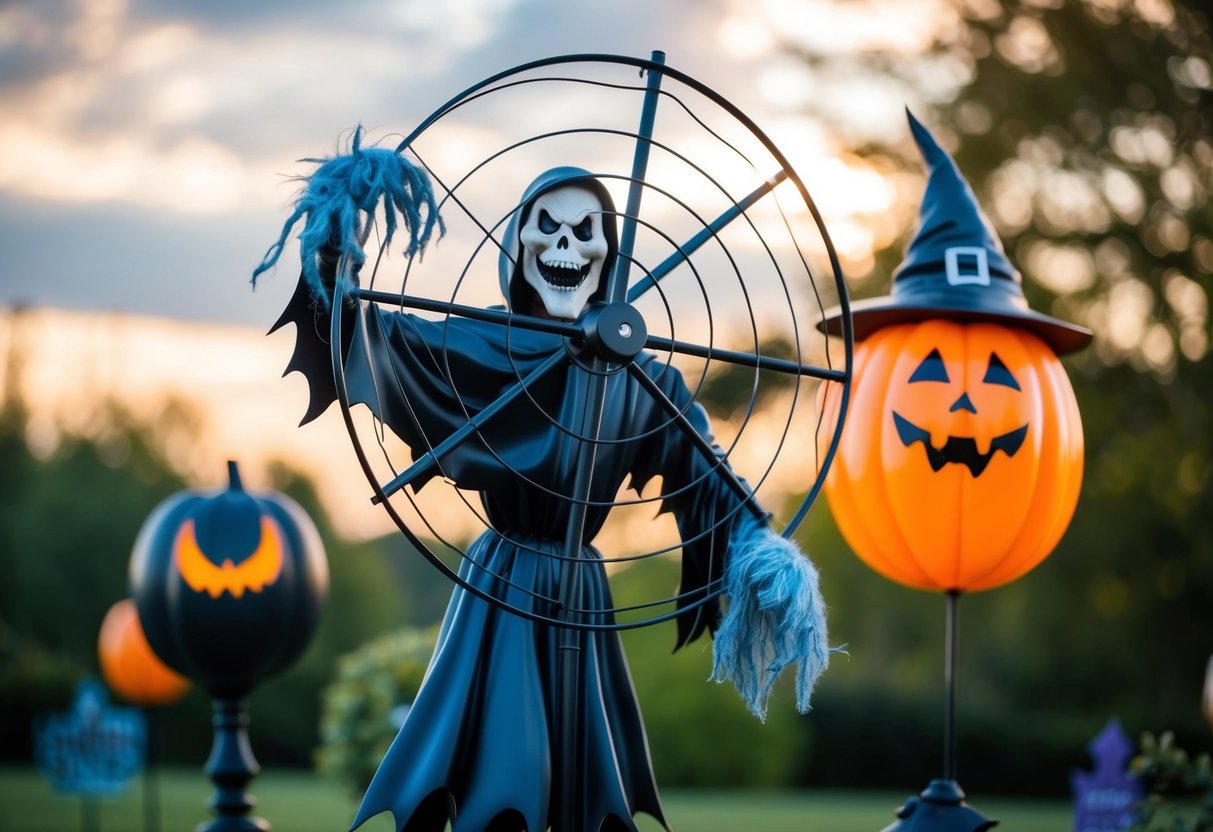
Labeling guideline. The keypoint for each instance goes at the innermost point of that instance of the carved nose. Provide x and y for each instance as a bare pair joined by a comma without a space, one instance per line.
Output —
563,242
963,403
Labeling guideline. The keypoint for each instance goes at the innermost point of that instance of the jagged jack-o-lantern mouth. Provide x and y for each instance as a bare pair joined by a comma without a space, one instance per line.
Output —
253,574
961,450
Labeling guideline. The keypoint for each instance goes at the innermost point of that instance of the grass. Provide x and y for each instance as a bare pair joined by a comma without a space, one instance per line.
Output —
295,801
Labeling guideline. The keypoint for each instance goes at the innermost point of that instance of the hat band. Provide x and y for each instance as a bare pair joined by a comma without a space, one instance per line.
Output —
933,290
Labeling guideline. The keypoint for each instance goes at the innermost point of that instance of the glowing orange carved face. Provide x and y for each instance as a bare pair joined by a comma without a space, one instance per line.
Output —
961,459
964,449
255,573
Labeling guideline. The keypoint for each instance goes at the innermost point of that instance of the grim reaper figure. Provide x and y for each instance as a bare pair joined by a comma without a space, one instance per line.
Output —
477,747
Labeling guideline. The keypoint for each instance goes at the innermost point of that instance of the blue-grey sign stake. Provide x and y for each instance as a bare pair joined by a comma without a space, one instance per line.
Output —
91,750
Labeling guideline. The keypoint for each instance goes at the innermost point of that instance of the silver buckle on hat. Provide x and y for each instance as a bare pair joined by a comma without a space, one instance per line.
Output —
977,270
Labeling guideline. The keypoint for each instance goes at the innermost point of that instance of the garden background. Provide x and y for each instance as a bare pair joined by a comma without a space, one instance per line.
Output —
1085,128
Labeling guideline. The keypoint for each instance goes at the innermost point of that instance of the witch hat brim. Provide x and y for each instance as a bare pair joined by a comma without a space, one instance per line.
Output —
872,314
955,267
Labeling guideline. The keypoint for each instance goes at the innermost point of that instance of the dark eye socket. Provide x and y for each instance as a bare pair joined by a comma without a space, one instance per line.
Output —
931,369
584,230
997,373
546,224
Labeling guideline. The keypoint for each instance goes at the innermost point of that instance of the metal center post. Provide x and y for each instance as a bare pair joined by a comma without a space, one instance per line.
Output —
569,765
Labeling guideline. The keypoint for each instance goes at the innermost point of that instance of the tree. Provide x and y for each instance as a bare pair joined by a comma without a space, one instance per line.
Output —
1085,129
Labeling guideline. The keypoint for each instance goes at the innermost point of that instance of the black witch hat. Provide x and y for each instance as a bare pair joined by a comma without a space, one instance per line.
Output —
955,267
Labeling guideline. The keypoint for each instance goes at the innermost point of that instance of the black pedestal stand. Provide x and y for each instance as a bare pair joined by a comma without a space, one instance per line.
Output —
231,766
941,806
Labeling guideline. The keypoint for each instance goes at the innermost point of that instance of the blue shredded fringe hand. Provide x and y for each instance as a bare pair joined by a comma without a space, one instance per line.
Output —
775,618
339,201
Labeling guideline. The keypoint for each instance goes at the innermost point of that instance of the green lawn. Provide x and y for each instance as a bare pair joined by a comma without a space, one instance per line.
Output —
299,802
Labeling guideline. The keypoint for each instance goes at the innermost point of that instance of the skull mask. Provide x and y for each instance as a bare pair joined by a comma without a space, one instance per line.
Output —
564,248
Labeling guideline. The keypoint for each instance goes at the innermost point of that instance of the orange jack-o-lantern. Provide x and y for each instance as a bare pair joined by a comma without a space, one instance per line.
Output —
961,461
128,664
229,585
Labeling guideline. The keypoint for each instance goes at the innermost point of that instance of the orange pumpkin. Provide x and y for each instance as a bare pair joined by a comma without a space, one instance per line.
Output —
128,664
961,459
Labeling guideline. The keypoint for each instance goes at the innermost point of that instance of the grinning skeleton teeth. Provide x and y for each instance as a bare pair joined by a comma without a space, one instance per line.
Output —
564,248
564,275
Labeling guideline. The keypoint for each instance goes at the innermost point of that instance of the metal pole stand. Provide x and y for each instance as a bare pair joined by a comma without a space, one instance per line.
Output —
151,771
941,806
231,766
569,763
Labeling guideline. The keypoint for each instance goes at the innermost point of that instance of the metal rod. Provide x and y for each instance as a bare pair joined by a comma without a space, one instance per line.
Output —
90,814
570,757
493,316
951,646
431,458
617,283
151,771
575,332
570,763
745,359
702,445
695,243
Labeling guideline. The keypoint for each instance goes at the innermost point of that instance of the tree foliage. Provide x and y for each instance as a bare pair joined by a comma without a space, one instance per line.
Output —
1086,130
1170,775
68,519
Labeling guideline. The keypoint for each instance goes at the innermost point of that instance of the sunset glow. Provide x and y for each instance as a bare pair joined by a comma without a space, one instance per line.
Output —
166,122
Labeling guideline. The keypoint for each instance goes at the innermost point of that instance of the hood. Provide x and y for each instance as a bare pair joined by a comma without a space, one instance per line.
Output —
514,288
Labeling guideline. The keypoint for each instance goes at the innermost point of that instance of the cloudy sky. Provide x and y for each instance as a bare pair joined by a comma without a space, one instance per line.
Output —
147,149
145,145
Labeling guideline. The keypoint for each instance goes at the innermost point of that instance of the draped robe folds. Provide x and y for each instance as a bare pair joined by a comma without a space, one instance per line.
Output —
477,745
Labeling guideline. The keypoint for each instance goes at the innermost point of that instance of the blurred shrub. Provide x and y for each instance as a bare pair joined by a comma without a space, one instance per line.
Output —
1170,776
357,723
700,733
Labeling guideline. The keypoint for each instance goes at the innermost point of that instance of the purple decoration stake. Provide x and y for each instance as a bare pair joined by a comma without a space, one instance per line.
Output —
1104,799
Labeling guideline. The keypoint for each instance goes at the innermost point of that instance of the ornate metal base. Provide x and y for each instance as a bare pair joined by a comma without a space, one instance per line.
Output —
940,808
231,766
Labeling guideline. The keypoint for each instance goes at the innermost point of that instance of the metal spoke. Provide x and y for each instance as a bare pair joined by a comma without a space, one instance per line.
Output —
702,445
467,211
617,281
744,359
713,228
570,643
471,426
567,607
476,313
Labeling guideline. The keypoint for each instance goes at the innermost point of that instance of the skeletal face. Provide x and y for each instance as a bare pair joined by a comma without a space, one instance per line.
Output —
563,249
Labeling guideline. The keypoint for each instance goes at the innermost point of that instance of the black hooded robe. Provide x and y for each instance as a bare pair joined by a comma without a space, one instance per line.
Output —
477,745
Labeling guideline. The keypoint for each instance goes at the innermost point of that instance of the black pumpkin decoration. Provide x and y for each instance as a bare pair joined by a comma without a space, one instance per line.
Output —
229,585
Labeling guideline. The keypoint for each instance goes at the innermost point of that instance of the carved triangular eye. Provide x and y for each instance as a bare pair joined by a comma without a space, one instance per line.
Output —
931,369
997,373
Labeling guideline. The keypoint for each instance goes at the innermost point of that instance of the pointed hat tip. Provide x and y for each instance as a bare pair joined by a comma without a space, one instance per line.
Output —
931,152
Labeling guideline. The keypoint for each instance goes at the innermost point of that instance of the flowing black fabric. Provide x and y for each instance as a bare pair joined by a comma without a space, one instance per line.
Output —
477,746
